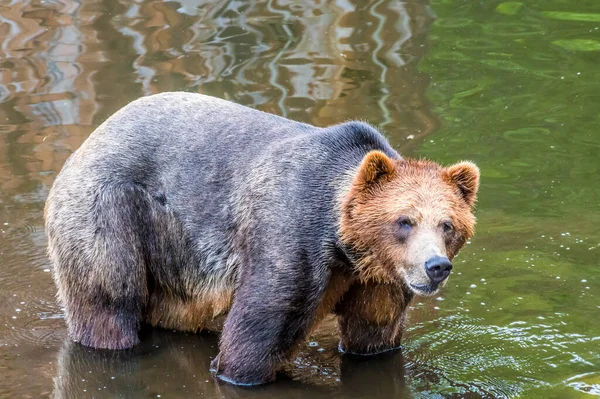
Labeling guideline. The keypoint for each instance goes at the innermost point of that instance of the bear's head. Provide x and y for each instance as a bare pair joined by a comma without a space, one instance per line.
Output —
405,220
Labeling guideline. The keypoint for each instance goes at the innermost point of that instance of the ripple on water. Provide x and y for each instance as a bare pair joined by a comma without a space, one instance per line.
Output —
588,383
453,22
30,315
36,322
463,351
512,29
527,134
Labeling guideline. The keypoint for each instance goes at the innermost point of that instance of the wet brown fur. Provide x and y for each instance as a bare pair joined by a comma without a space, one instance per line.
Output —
191,315
371,317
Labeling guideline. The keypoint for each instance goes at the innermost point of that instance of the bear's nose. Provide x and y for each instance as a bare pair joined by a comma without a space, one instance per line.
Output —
438,268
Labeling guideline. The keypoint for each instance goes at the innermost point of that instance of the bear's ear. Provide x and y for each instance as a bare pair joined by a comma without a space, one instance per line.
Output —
464,175
376,167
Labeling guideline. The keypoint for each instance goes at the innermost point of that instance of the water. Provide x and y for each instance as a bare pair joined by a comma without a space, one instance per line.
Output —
512,86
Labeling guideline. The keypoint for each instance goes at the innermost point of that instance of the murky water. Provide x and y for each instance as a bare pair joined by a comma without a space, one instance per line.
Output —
512,86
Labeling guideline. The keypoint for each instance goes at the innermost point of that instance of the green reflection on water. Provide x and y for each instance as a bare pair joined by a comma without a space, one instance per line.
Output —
572,16
516,86
579,44
509,7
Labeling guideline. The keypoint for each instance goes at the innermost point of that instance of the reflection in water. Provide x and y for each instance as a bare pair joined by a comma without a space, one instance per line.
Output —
307,60
176,361
176,364
374,377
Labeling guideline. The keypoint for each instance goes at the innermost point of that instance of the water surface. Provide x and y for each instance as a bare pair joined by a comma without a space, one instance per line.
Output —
512,86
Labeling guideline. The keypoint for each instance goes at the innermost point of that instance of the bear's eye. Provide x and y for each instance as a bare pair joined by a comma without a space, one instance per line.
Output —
447,226
402,228
405,223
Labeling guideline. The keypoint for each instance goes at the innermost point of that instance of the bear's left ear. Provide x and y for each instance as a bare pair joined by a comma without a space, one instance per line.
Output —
464,175
375,168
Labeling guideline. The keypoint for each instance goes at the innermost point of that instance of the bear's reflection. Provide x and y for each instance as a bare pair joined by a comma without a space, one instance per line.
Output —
381,376
164,363
177,365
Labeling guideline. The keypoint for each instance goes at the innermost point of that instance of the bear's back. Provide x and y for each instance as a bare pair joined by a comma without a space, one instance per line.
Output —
154,130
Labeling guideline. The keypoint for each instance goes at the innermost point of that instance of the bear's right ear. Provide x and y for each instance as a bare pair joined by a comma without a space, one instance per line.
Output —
465,176
375,168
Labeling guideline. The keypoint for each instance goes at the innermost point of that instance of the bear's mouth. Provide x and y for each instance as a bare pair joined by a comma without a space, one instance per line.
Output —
424,289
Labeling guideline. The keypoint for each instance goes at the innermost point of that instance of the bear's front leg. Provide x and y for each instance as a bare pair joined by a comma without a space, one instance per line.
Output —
371,318
270,316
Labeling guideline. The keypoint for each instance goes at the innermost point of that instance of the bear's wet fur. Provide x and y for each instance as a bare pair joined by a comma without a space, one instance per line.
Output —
181,208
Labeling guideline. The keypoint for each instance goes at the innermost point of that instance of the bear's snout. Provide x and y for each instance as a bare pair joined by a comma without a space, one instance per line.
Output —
438,269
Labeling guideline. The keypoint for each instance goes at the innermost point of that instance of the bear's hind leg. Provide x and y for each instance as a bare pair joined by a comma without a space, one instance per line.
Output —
371,318
110,325
100,266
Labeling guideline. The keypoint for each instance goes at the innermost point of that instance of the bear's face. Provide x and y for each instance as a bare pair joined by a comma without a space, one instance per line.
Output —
406,220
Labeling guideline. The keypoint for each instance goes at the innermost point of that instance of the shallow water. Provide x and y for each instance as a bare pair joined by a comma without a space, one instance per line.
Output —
512,86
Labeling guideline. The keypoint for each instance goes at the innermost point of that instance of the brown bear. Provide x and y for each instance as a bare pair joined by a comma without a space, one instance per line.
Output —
182,207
